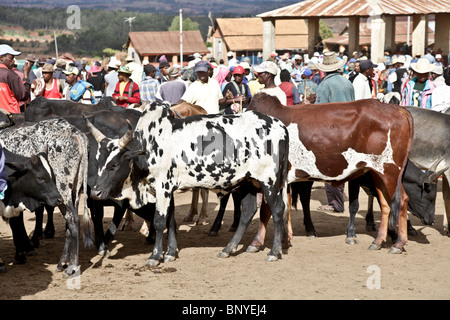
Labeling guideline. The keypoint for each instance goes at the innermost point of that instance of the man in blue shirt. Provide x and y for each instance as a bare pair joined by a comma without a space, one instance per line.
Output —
149,86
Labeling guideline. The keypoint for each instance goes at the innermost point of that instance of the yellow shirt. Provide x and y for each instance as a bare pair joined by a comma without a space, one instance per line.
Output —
122,86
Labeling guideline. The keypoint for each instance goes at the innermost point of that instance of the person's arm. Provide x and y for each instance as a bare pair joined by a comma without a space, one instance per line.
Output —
135,96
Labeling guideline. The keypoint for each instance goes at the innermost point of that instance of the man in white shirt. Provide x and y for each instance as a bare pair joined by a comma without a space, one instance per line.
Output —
204,92
266,75
363,85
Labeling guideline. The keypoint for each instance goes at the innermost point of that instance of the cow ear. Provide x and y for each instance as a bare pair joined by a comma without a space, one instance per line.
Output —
16,166
134,154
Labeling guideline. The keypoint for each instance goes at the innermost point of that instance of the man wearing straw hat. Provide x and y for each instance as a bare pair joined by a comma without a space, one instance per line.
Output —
419,89
333,88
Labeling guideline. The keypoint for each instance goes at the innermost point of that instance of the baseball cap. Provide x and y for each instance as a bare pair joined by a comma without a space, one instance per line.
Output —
71,70
306,71
366,64
238,70
267,66
5,49
201,66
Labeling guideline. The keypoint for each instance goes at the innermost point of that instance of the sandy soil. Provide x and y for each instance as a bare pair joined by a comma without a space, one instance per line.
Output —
321,268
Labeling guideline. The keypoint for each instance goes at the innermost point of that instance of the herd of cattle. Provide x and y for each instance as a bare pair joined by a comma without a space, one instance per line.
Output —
135,159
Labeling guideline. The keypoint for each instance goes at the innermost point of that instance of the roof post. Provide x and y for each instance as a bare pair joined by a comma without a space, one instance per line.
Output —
268,38
389,32
353,34
442,38
419,35
377,38
313,34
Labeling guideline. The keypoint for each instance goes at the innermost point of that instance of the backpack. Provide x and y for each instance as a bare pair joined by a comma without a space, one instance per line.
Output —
78,89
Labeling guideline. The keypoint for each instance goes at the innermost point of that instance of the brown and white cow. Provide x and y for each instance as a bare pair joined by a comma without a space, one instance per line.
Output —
337,142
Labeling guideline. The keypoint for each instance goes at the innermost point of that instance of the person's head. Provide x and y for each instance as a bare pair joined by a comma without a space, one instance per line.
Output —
150,70
422,69
266,72
306,73
202,70
438,57
367,68
164,67
211,68
47,72
71,75
173,72
238,74
124,74
246,66
285,76
298,59
357,66
331,62
437,72
398,61
7,55
61,63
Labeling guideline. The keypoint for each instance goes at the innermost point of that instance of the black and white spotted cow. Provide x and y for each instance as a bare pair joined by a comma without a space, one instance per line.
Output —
221,153
68,156
30,184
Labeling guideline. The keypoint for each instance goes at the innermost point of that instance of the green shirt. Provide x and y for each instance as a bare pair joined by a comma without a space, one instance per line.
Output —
335,88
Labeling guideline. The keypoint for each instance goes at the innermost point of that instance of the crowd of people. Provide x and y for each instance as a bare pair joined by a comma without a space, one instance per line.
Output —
228,87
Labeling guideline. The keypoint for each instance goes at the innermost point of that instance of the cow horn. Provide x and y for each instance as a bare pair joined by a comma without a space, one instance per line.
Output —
433,178
127,137
95,132
435,165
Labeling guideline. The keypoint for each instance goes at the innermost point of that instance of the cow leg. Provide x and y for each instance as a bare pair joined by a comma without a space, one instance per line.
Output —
37,233
446,196
237,199
97,213
70,253
2,266
305,199
264,216
370,221
277,207
49,231
248,211
382,230
204,211
128,221
20,238
172,246
159,221
353,192
193,210
214,231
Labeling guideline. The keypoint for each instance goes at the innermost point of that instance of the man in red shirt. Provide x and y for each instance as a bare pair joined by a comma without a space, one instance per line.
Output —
127,92
12,88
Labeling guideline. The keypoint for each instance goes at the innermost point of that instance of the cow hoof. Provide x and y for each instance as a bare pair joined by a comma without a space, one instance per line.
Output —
213,234
351,240
371,227
232,229
271,258
152,263
188,219
374,246
223,255
2,269
168,258
395,250
254,249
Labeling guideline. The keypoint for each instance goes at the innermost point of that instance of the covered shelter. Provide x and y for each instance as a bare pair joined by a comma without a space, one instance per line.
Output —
381,15
244,36
151,45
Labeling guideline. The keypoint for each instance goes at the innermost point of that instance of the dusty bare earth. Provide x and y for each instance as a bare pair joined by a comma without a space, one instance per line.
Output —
321,268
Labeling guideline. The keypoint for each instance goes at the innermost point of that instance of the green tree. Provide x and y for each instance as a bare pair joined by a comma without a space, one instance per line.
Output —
188,24
325,31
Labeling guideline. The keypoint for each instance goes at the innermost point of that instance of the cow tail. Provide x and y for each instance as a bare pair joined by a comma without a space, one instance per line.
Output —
285,184
395,206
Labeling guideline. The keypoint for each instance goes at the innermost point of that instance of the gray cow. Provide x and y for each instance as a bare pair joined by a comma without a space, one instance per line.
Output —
68,157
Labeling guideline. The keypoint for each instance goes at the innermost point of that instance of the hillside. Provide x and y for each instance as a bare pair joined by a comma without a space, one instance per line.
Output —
192,7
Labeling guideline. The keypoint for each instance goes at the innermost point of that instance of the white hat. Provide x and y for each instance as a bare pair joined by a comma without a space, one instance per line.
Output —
197,55
422,66
438,70
438,56
129,58
267,66
5,49
230,54
245,65
331,62
398,59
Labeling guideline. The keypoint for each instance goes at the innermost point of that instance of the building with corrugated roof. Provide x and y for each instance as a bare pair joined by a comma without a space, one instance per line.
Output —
381,14
244,36
151,45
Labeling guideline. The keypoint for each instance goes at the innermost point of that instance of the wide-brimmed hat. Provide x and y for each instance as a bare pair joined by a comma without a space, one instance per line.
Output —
331,62
94,69
125,70
173,71
422,66
267,66
47,68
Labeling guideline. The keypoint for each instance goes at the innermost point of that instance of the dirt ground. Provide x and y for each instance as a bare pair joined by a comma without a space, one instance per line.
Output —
321,268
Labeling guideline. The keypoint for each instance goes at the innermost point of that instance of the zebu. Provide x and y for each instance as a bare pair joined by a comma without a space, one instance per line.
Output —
68,157
211,151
